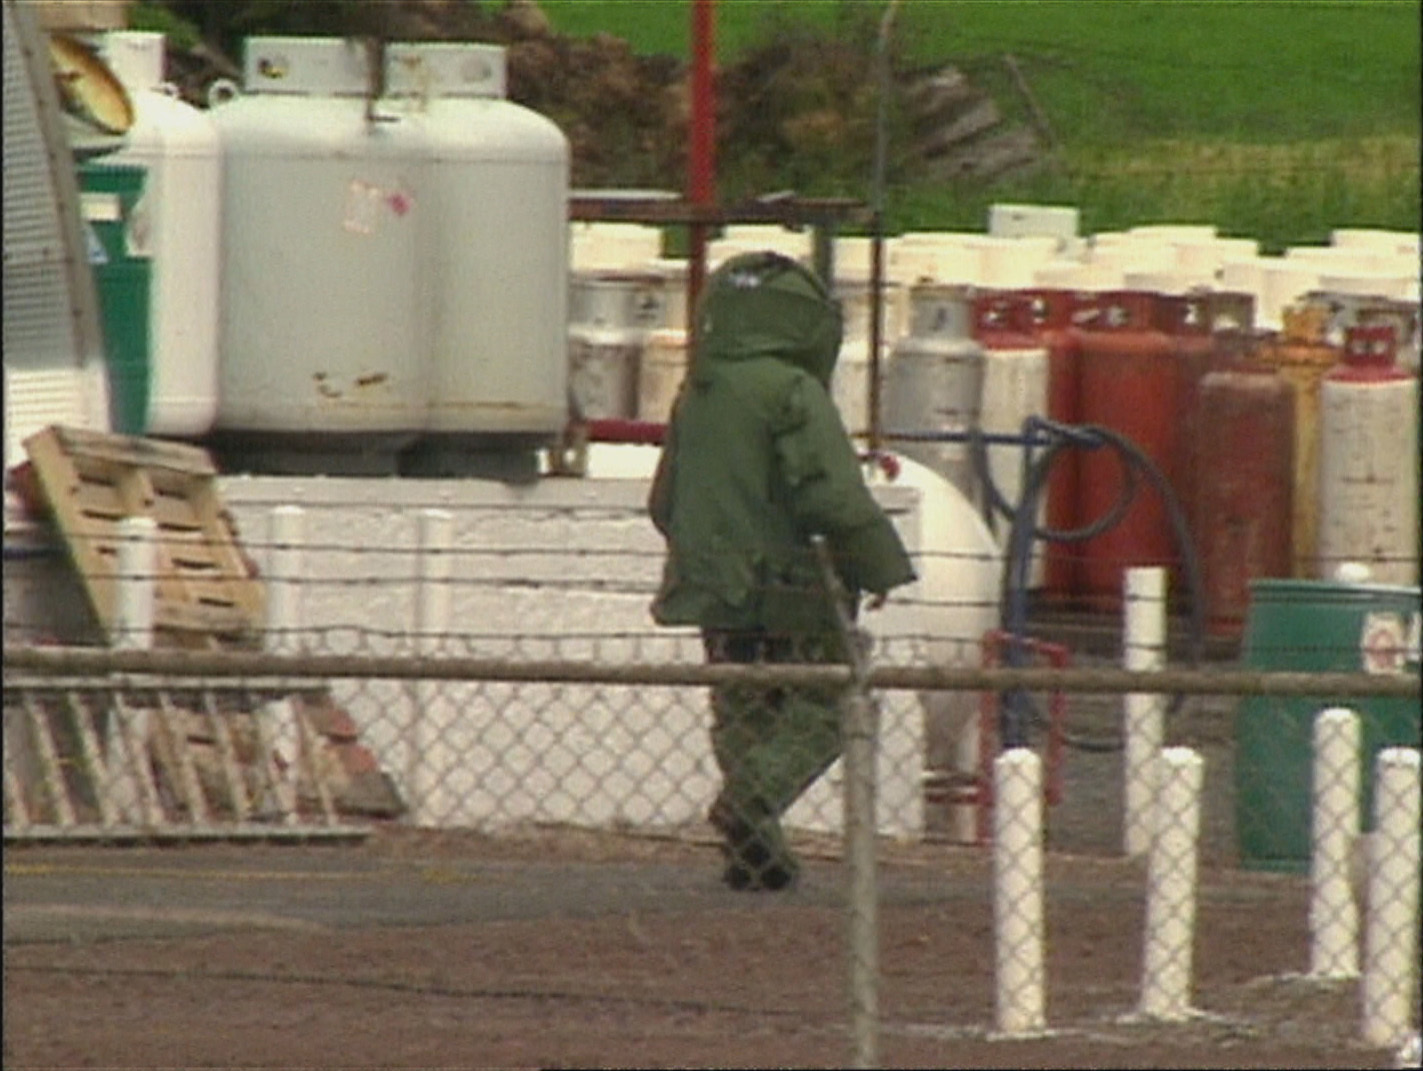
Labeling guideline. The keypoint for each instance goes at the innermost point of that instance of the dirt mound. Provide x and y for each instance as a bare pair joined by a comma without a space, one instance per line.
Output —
795,113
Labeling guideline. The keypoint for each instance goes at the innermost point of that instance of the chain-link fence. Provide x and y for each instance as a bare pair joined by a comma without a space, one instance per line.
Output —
524,778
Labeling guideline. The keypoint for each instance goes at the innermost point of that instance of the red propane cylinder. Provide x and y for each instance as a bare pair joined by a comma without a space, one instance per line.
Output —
1244,428
1129,381
1049,316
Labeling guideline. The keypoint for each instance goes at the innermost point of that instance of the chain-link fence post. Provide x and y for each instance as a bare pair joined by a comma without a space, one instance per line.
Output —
286,579
858,730
1333,914
1391,935
433,600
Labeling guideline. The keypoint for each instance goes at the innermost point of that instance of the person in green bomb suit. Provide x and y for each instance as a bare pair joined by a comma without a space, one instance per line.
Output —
755,462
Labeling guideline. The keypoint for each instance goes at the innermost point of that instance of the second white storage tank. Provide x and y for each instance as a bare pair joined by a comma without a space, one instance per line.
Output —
494,216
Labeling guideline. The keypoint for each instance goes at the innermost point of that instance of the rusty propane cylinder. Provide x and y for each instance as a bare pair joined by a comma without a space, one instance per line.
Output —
1244,456
1049,317
1302,354
1129,379
1191,322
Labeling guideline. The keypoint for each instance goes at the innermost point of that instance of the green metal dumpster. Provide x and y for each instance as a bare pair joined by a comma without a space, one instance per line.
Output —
123,278
1315,626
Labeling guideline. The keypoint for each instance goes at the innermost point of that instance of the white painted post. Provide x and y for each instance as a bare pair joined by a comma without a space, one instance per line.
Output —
137,568
286,565
1143,649
432,625
1018,891
1390,975
1171,888
129,777
1333,914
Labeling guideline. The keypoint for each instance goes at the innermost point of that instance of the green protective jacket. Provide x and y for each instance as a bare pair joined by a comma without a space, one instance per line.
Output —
756,461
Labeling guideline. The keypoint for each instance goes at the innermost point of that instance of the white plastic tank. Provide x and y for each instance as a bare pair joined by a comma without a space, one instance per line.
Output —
327,281
1009,263
494,227
1368,460
934,381
177,224
1033,221
600,245
1075,275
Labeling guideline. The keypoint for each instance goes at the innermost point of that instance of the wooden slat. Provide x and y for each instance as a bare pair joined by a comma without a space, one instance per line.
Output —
51,775
17,811
277,787
227,756
132,451
179,753
309,745
135,754
93,758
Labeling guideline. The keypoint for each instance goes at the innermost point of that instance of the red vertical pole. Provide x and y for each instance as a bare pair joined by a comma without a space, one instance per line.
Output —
701,157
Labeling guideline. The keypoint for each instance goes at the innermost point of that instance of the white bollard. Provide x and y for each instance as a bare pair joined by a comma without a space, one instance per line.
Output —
129,780
432,625
1018,891
1143,649
284,575
137,570
1333,914
285,566
1390,974
1171,888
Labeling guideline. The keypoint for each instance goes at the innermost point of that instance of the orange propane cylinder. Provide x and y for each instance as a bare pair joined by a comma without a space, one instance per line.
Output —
1129,378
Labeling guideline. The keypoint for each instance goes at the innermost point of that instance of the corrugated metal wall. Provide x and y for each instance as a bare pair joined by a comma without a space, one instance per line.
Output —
53,351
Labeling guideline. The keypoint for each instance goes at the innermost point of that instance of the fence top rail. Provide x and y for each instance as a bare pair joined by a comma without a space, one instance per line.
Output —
180,668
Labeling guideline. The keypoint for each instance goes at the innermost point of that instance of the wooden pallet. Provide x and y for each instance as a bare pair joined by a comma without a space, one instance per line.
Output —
207,595
111,763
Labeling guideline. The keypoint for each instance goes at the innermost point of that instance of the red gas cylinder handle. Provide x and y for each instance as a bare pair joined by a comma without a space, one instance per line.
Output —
1371,346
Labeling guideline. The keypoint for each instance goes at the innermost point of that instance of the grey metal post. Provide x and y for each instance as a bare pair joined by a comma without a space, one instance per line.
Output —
858,733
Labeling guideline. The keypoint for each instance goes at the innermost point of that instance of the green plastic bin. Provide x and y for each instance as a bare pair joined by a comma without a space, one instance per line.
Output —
123,279
1314,626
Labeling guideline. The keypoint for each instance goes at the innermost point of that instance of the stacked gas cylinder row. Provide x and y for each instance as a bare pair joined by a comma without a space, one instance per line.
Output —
1288,451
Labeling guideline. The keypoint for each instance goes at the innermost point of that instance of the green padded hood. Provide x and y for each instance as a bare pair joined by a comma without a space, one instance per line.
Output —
767,305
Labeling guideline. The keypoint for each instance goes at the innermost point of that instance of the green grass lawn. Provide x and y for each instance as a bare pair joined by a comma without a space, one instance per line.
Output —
1274,119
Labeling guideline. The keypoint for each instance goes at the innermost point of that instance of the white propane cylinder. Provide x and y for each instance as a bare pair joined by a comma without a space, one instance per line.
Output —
326,281
177,224
1368,460
934,381
1015,387
494,224
664,364
611,315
